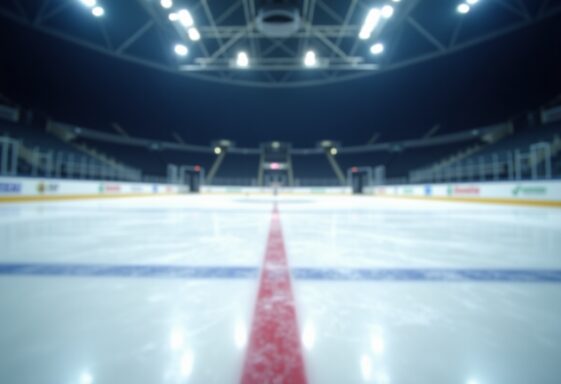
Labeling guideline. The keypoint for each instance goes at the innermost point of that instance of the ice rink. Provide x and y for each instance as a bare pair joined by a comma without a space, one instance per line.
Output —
327,290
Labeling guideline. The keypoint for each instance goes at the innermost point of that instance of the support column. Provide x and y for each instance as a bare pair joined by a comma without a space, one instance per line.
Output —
215,166
335,167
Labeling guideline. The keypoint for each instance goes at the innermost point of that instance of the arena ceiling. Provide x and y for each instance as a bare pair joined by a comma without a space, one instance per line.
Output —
323,40
439,68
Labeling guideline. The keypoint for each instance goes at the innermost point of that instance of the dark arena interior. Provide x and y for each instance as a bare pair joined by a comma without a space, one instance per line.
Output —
280,191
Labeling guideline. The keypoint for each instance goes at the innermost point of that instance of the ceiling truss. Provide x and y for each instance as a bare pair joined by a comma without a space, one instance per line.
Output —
278,62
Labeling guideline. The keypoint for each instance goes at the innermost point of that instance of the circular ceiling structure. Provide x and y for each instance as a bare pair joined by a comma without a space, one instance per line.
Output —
278,43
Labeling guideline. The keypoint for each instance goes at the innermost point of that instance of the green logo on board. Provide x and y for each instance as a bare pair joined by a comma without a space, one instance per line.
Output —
538,190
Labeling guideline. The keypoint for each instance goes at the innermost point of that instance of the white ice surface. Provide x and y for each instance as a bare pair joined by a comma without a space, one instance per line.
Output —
365,232
63,330
166,230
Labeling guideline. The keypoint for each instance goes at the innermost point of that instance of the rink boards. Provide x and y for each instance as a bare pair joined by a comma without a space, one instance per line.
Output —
23,189
547,193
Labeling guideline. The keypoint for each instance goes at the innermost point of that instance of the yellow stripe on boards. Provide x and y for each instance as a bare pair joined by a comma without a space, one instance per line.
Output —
483,200
31,198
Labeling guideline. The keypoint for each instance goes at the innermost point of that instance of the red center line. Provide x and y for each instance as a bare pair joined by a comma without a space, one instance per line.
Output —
274,354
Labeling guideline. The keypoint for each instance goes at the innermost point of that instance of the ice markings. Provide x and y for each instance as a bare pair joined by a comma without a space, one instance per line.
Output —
429,275
276,272
274,354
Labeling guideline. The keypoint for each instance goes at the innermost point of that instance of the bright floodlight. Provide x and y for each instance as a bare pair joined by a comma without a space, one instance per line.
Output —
472,2
180,50
242,60
98,11
166,3
310,59
194,34
463,8
173,16
387,11
371,21
88,3
377,48
185,18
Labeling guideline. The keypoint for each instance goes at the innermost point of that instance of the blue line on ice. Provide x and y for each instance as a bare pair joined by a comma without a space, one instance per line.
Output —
430,274
135,271
314,274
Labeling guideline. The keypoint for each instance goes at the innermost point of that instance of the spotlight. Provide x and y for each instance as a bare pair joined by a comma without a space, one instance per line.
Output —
167,4
387,11
180,50
463,8
217,150
333,151
194,34
472,2
88,3
173,16
377,48
185,18
310,59
371,21
242,60
98,11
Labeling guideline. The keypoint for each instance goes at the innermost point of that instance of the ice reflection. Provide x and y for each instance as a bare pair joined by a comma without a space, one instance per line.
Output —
372,362
86,378
377,341
177,339
240,334
183,357
382,378
309,335
366,367
187,363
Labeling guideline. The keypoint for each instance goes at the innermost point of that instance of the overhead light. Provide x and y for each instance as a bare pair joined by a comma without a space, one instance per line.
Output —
242,60
310,59
181,50
396,1
98,11
88,3
166,3
333,151
377,49
387,11
371,21
217,150
185,18
472,2
194,34
463,8
173,16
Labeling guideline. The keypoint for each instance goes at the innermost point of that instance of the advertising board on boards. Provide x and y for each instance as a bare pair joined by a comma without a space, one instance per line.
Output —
10,188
